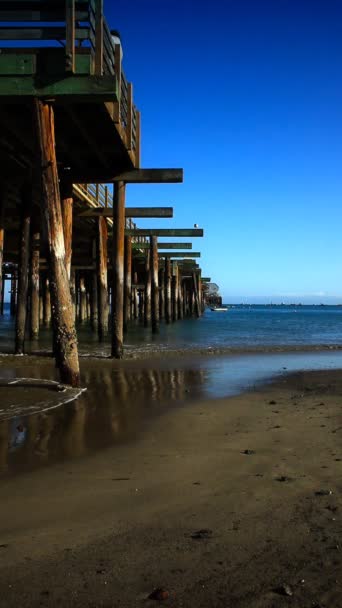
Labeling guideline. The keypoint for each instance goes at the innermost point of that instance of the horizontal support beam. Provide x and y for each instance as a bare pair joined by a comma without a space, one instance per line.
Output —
187,264
77,87
206,279
150,176
164,231
37,14
36,5
176,254
163,245
179,254
129,212
18,32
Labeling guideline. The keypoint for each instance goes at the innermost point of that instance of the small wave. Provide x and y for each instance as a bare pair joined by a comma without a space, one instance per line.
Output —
61,395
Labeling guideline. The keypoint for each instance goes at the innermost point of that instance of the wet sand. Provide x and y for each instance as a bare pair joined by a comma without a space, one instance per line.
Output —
107,529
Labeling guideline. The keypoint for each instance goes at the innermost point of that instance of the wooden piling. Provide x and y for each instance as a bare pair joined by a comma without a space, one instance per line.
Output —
34,284
135,296
174,290
83,300
141,309
154,284
168,300
161,294
41,302
2,297
200,291
94,315
65,338
2,236
67,206
88,299
180,297
118,268
73,291
185,303
128,282
47,302
147,293
195,291
102,277
13,296
23,270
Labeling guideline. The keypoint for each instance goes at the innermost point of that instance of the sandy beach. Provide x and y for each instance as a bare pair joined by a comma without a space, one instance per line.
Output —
229,502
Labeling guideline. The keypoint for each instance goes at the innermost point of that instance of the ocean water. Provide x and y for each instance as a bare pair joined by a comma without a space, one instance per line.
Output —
249,328
241,328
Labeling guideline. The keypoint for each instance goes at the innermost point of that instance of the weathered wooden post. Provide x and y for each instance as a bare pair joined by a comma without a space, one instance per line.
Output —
2,297
147,293
135,296
185,303
41,301
161,294
168,304
23,269
154,284
128,282
195,292
174,289
180,296
102,277
67,206
65,339
94,318
2,236
83,300
118,268
94,314
13,300
88,298
141,310
200,292
73,291
34,318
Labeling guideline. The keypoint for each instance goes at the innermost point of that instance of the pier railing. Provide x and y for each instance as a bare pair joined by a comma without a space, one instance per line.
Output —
58,38
99,195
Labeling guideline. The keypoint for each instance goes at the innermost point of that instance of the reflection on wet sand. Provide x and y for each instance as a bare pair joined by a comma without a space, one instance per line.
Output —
122,396
113,410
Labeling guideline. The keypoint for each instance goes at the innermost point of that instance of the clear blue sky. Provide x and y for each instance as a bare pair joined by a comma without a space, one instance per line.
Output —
246,96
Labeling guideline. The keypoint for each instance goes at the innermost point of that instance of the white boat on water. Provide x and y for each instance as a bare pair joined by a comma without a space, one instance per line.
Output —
219,308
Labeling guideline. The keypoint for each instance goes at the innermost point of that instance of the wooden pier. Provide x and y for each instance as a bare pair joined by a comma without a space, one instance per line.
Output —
69,246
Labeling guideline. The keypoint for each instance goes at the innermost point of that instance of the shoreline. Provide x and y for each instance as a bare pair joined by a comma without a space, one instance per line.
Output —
254,471
123,399
154,352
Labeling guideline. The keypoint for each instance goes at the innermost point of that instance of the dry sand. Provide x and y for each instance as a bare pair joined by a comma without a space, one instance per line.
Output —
107,530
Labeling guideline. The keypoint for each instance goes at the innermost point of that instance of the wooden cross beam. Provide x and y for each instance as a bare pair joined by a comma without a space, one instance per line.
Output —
35,12
206,279
150,176
129,212
164,231
163,245
135,176
177,254
187,264
79,87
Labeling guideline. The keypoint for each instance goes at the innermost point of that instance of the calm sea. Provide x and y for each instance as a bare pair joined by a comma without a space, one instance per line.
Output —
240,328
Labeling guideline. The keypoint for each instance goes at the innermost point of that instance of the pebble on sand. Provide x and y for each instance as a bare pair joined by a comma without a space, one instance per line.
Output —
159,594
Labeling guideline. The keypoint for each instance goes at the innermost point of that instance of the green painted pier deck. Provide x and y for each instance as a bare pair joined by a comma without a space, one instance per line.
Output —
72,60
